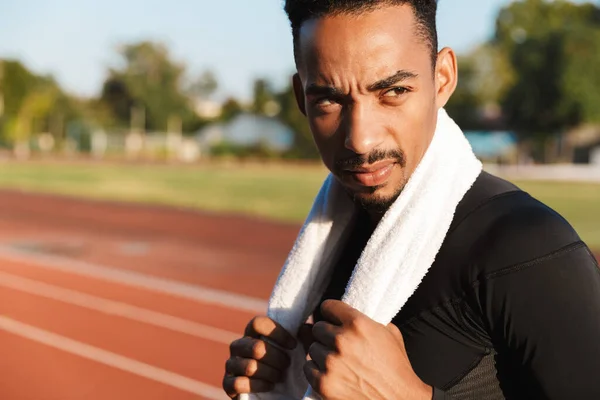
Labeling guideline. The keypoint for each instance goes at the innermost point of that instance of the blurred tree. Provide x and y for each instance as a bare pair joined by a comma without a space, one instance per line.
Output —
15,84
204,86
263,96
484,76
231,108
117,100
493,74
464,106
45,110
581,80
303,142
32,104
33,114
553,49
149,80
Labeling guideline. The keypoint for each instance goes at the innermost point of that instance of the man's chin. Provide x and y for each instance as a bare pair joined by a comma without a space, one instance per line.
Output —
374,202
373,199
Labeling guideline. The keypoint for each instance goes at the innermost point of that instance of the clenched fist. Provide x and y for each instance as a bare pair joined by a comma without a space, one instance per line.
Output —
354,357
255,365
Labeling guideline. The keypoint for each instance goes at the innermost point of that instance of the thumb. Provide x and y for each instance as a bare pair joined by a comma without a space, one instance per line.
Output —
395,331
305,336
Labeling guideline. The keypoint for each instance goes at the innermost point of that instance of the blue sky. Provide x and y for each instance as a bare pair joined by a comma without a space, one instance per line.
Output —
75,40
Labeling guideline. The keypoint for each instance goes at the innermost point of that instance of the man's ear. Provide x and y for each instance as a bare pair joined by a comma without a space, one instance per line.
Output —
446,76
299,93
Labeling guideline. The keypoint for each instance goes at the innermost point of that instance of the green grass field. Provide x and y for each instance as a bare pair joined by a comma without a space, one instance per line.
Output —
282,192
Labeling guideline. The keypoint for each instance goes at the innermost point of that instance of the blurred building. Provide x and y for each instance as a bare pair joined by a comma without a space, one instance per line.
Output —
207,108
247,130
493,146
583,144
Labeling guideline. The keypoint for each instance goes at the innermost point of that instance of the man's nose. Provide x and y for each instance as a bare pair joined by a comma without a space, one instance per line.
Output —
362,132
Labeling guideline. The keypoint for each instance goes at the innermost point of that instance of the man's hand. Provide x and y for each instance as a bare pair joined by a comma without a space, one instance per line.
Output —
254,365
354,357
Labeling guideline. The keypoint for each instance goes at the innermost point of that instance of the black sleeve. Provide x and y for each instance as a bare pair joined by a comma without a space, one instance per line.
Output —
544,318
439,394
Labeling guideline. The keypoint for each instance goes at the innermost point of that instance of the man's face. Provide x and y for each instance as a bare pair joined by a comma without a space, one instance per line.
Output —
367,85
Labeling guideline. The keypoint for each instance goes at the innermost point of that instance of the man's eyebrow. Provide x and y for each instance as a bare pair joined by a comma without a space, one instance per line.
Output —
390,81
315,89
323,90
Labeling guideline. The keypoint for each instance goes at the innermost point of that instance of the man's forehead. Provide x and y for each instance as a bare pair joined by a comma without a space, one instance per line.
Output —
398,21
374,43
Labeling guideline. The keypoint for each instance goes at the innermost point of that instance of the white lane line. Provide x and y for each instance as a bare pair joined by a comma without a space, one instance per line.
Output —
111,359
136,279
117,308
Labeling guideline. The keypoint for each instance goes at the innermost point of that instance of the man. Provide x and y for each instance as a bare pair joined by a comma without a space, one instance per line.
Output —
511,306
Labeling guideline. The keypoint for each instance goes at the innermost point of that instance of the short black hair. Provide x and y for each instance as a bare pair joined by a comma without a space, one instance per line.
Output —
299,11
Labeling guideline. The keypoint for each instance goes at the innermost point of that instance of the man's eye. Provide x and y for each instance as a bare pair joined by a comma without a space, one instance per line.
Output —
395,92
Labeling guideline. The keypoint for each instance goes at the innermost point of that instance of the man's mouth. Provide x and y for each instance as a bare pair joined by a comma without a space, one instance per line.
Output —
371,175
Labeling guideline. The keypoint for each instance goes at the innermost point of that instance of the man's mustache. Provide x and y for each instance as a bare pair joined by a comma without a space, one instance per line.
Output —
371,158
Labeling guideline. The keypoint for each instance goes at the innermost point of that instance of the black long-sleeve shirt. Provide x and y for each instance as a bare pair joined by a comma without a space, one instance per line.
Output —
510,309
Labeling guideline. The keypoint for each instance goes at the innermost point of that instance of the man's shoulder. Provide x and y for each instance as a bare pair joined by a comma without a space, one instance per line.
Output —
498,227
510,226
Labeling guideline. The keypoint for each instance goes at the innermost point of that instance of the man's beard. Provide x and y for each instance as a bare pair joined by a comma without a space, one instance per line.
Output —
374,204
367,199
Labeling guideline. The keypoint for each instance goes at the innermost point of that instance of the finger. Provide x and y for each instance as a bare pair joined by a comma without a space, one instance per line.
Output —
264,326
238,366
327,334
319,353
338,312
313,375
236,385
260,350
305,335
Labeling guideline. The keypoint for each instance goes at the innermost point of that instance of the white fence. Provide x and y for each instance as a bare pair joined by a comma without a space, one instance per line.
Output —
550,172
172,145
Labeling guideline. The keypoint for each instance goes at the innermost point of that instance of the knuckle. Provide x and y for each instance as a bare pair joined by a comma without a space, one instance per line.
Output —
235,366
258,349
260,325
358,325
324,387
326,304
229,386
234,346
237,347
399,337
250,368
330,362
319,325
229,366
256,323
313,349
252,325
340,342
240,385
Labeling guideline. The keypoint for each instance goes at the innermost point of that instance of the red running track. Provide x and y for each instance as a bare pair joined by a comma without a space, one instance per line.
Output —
109,301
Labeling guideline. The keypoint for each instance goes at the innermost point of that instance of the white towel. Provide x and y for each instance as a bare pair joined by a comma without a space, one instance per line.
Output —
395,259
